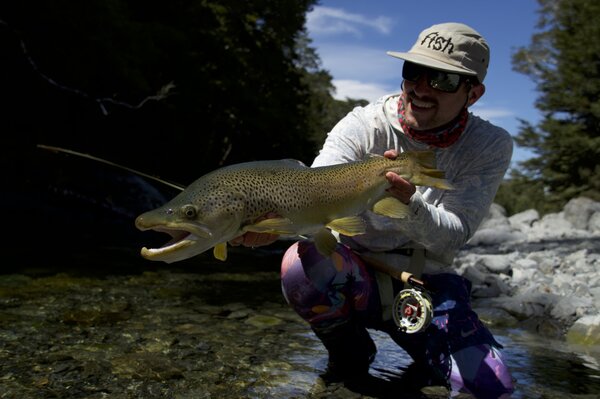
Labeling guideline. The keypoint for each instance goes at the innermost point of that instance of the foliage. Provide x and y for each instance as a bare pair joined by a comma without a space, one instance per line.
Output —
564,61
246,84
520,193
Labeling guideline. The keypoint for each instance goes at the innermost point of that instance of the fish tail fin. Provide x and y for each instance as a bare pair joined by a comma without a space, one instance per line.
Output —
424,179
433,178
434,173
425,159
426,173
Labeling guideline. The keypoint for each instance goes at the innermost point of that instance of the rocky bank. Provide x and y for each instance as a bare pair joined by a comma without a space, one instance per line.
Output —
538,273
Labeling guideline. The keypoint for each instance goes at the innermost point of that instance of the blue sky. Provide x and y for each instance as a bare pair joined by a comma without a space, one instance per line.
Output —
352,37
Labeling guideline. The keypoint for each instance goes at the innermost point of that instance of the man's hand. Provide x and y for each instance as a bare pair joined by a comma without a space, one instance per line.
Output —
401,188
252,239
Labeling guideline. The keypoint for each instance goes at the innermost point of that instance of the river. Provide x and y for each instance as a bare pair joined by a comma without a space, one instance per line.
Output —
118,327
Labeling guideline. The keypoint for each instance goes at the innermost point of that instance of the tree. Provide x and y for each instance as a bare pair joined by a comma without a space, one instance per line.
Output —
239,90
322,110
563,60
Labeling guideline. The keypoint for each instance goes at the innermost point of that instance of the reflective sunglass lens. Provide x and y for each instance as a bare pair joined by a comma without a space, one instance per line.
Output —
443,81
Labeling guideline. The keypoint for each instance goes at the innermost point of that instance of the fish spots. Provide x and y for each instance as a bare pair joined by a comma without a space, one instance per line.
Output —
218,203
305,199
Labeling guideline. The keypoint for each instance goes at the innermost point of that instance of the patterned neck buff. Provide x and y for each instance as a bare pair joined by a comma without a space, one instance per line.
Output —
441,137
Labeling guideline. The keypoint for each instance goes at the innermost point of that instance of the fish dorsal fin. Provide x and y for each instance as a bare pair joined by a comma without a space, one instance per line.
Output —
325,242
294,163
391,207
370,155
348,226
271,225
220,251
277,163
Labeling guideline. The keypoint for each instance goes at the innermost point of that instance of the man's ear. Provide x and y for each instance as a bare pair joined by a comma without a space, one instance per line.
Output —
475,94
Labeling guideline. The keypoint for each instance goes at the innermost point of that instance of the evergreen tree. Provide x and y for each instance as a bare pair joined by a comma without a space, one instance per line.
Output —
239,90
563,59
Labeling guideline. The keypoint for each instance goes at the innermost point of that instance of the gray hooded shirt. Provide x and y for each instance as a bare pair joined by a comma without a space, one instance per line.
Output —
441,221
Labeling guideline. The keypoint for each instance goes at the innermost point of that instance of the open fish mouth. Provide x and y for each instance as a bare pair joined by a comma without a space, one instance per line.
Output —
180,239
187,240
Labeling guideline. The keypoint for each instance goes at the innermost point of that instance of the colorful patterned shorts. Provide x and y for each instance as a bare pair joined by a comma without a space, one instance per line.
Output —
458,347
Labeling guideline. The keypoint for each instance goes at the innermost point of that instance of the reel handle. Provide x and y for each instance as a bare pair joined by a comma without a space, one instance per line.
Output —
408,278
412,309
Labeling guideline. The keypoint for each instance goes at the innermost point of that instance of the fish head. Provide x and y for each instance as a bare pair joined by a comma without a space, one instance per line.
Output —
195,224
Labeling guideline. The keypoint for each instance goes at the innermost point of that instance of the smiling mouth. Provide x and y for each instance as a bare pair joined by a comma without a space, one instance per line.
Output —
417,104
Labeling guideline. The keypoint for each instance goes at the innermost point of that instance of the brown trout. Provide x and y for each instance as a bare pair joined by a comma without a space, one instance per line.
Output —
225,203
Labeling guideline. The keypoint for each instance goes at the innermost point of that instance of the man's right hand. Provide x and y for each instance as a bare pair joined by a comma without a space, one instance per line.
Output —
252,239
400,188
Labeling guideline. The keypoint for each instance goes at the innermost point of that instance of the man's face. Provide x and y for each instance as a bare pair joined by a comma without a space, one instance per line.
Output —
429,108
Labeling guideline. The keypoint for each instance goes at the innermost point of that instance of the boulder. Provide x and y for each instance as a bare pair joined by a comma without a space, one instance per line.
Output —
579,211
585,331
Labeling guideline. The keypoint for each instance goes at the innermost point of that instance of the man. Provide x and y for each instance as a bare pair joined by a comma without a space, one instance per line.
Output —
342,296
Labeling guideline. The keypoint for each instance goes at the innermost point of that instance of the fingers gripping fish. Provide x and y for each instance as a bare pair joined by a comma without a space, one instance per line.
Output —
224,204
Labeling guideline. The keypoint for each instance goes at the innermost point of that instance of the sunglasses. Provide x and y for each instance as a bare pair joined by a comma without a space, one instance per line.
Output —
443,81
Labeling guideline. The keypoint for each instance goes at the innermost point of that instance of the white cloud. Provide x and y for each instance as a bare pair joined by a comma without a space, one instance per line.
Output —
334,21
491,113
355,89
358,62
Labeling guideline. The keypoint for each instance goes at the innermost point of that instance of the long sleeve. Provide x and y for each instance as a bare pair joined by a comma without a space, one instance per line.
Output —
440,220
444,221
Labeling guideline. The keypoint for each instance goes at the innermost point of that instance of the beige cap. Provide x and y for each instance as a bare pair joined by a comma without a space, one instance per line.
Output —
450,47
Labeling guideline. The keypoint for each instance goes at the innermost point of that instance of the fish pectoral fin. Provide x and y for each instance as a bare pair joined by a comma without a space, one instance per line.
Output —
348,226
391,207
271,225
325,242
426,173
220,251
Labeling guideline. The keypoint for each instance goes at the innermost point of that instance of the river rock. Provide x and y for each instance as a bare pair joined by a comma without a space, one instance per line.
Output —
585,331
579,211
538,270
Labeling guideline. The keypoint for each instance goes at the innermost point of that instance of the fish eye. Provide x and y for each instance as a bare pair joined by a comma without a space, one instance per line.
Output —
189,211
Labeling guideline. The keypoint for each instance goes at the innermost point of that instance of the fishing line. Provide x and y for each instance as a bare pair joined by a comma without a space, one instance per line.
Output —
104,161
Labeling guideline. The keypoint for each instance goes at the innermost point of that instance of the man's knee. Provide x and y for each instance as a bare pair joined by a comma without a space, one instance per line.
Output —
323,289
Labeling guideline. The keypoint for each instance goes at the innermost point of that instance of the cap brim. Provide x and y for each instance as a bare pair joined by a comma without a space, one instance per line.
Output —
431,63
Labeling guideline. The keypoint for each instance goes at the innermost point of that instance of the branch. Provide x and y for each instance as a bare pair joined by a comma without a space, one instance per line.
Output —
161,94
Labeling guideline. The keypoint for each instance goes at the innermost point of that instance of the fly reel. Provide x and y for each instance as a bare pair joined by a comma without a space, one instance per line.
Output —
412,310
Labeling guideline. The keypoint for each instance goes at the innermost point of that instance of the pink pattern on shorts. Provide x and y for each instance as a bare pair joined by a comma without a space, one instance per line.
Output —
324,289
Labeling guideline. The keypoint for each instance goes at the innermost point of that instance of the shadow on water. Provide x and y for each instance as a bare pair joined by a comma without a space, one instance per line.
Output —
83,315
